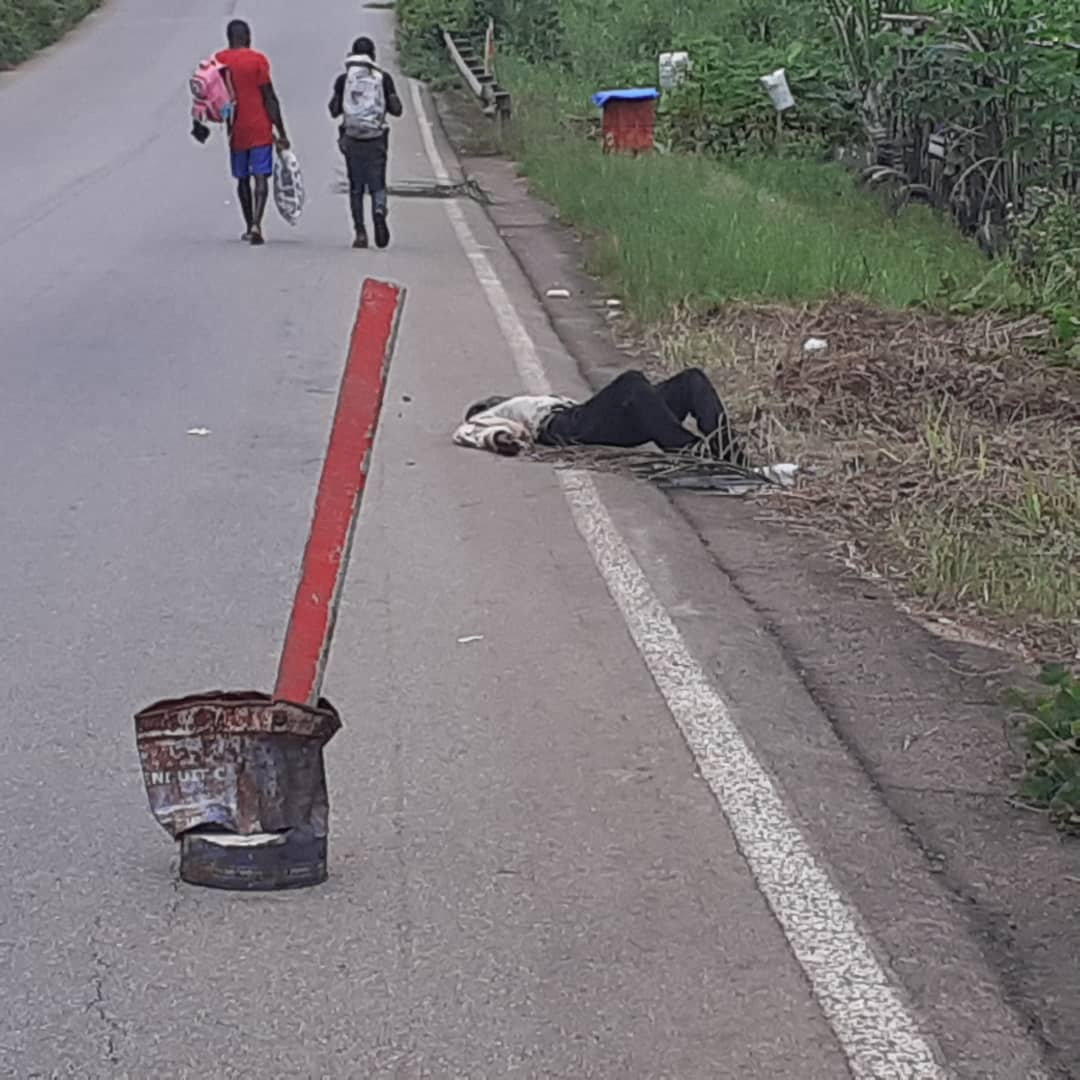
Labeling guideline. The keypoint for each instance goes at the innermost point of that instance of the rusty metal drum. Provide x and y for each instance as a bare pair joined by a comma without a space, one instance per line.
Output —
239,780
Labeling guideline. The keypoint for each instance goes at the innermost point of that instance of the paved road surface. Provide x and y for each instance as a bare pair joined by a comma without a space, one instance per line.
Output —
531,875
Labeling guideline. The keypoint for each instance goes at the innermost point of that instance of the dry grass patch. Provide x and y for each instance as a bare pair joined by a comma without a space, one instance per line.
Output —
942,450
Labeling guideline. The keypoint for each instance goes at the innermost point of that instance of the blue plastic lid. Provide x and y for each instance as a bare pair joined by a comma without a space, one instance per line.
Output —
647,93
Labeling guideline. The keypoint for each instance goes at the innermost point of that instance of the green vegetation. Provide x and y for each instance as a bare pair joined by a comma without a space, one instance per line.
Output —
1052,733
675,229
1005,542
29,25
988,84
420,48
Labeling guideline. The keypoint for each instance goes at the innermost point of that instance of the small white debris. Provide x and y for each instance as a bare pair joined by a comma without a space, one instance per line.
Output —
470,639
776,85
236,840
558,294
784,475
200,431
673,69
815,344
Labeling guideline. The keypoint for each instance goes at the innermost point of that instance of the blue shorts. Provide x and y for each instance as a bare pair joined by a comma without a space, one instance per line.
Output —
258,161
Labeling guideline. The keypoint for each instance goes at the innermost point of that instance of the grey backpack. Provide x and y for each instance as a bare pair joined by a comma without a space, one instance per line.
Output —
363,101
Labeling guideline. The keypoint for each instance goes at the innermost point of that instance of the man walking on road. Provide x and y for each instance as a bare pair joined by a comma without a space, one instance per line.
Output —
363,96
256,116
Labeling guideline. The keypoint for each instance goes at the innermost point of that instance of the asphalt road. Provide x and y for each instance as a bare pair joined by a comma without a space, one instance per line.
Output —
531,874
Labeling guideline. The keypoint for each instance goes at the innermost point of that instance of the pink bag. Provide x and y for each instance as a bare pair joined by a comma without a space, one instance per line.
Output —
211,93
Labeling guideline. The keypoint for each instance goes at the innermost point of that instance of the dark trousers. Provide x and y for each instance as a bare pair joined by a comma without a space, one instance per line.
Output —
631,411
365,161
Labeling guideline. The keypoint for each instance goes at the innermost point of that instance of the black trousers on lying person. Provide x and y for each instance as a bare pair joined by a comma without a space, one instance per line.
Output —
631,411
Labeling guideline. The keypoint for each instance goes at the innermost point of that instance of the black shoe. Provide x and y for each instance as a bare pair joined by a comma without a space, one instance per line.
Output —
360,240
382,230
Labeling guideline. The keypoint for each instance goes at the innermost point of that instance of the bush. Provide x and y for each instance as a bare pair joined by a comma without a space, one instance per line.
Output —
722,110
29,25
419,22
981,107
533,29
1046,252
673,229
1052,732
969,112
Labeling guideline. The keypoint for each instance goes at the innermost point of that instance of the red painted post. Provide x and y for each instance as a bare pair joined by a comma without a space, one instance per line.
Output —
337,502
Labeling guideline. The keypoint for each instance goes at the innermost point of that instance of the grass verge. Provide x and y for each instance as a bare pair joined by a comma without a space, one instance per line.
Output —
675,229
29,25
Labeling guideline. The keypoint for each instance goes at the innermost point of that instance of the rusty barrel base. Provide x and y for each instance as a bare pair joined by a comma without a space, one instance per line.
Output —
297,862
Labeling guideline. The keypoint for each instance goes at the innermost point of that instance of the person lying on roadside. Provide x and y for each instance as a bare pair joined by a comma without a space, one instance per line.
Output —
630,411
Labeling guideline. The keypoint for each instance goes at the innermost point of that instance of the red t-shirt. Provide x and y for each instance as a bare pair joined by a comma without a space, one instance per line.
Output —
250,72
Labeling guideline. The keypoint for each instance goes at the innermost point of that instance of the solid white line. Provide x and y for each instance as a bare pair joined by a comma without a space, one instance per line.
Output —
879,1036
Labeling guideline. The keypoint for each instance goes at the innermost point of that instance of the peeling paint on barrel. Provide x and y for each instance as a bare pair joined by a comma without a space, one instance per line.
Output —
236,762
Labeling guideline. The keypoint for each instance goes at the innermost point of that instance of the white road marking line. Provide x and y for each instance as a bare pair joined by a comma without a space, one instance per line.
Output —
880,1037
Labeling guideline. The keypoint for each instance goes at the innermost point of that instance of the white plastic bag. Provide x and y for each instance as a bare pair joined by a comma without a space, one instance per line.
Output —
288,186
776,86
674,68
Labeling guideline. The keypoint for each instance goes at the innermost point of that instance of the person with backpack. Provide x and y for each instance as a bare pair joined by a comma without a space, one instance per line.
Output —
254,117
363,96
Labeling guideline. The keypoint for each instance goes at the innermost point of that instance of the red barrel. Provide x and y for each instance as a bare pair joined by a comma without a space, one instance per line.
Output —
629,118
